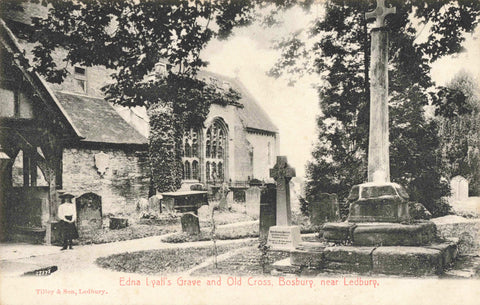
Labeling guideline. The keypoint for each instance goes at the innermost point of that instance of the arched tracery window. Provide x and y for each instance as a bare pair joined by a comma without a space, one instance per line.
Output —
191,155
207,169
195,174
188,171
188,151
214,171
208,144
216,151
220,171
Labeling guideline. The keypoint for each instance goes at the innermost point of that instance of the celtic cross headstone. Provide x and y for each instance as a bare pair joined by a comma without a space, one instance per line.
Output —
283,236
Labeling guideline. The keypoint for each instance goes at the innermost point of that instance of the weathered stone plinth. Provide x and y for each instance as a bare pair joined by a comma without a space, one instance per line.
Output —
413,260
338,232
394,234
381,234
398,260
308,254
378,202
347,258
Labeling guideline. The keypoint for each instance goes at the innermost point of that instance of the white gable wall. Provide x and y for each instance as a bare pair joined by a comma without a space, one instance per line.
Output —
264,153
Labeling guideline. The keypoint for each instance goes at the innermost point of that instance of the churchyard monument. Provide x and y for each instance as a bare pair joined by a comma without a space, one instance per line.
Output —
283,235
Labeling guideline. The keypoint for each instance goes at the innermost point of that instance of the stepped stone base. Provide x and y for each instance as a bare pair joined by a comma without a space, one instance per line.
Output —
285,267
302,255
338,231
398,260
409,260
381,233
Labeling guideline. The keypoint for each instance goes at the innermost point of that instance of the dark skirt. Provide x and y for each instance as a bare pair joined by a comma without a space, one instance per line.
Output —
69,231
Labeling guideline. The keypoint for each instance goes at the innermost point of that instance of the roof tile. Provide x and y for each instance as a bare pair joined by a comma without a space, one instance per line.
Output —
98,121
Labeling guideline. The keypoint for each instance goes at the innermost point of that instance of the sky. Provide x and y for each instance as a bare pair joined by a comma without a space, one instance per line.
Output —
248,55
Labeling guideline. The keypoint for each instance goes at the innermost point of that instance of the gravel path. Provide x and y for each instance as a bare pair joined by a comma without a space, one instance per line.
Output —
15,259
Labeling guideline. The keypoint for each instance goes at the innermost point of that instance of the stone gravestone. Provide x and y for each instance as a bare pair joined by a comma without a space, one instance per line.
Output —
230,200
155,203
117,223
89,212
459,189
223,192
323,207
283,236
268,210
252,201
168,203
190,223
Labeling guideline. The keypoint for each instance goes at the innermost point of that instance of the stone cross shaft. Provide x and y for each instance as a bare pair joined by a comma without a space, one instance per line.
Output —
379,13
378,145
283,173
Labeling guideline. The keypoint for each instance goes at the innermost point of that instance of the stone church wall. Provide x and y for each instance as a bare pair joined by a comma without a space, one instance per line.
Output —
121,177
243,163
264,154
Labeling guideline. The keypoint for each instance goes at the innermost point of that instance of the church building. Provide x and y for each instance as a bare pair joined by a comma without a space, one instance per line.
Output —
67,137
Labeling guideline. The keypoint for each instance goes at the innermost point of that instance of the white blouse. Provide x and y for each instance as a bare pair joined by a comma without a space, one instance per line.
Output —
67,209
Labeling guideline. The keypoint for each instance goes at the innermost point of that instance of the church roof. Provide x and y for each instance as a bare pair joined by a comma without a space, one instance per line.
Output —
252,114
98,121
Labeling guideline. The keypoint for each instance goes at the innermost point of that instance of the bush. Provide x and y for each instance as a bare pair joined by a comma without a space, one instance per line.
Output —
440,208
303,206
418,211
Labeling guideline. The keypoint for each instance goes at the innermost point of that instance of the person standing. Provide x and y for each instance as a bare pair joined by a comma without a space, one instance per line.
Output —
68,215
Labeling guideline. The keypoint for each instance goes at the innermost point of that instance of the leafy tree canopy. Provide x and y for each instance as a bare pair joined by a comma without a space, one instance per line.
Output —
336,47
460,135
131,36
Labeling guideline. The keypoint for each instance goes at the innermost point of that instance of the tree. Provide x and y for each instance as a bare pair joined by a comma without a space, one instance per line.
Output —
460,133
130,37
338,45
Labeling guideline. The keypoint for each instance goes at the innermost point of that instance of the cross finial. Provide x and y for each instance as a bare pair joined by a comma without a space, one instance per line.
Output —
380,13
282,169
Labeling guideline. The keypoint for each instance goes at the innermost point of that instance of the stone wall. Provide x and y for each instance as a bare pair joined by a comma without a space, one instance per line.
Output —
243,163
264,154
121,179
467,230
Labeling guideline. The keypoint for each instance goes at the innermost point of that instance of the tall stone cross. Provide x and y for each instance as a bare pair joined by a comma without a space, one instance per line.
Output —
378,146
380,13
283,173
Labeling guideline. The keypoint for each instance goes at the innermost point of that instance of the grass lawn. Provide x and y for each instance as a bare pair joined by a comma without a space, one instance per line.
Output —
133,231
235,214
145,225
236,232
163,261
245,263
